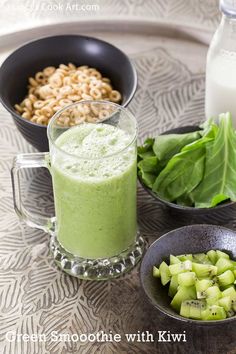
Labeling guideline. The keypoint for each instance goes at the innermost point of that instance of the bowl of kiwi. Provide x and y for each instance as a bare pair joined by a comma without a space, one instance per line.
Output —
189,274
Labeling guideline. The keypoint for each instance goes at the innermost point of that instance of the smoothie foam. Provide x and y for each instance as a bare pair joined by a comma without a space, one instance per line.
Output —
95,192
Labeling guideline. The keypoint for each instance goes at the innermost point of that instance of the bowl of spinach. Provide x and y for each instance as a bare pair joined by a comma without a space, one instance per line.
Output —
191,168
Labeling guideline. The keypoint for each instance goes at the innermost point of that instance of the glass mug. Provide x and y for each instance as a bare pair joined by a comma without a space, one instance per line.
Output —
92,161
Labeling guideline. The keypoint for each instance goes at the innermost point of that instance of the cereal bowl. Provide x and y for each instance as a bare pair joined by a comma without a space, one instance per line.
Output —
33,57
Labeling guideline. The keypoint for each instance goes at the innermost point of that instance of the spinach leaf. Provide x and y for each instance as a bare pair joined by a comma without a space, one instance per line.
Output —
166,146
147,178
149,168
219,180
146,150
183,172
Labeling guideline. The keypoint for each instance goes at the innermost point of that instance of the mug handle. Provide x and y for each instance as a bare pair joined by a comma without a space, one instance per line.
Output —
24,161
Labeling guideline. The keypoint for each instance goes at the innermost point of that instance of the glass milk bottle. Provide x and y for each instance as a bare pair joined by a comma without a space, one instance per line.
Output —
221,65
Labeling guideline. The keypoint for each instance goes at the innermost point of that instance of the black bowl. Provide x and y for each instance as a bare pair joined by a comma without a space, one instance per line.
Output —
80,50
187,239
189,211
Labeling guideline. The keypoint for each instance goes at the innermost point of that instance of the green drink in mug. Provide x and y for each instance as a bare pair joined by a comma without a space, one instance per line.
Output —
93,166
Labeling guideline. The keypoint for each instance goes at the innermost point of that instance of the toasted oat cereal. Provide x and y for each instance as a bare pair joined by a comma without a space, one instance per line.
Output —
53,88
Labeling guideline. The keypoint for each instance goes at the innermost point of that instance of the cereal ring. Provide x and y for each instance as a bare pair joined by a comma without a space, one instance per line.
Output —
106,87
32,98
39,77
18,108
74,97
105,79
45,91
115,96
28,104
33,82
42,120
64,102
47,111
66,90
103,114
86,97
95,94
82,67
71,66
26,115
64,67
67,81
48,71
38,104
55,80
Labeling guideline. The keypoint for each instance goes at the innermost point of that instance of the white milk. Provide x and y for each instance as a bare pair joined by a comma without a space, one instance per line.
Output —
221,85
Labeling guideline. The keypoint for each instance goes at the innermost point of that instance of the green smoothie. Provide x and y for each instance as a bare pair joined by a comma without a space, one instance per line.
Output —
95,190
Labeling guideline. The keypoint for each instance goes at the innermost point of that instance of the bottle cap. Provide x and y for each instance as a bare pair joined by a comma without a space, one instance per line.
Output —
228,7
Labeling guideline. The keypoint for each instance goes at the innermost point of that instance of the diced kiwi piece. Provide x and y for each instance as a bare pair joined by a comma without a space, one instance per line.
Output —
230,313
226,278
221,254
222,288
223,264
185,257
192,308
212,255
201,286
225,302
187,278
185,309
214,312
183,293
156,272
173,286
213,293
201,258
204,270
165,273
174,260
229,292
180,267
196,308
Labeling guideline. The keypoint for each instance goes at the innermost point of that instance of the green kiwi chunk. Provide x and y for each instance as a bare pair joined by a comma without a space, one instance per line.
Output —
183,293
226,303
204,270
223,264
156,272
174,260
187,278
221,254
213,293
226,278
185,257
201,286
212,255
180,267
192,308
165,273
173,287
213,312
201,258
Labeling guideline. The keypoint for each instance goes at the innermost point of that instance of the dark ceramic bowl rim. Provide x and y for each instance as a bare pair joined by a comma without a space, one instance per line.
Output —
15,113
178,206
160,308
